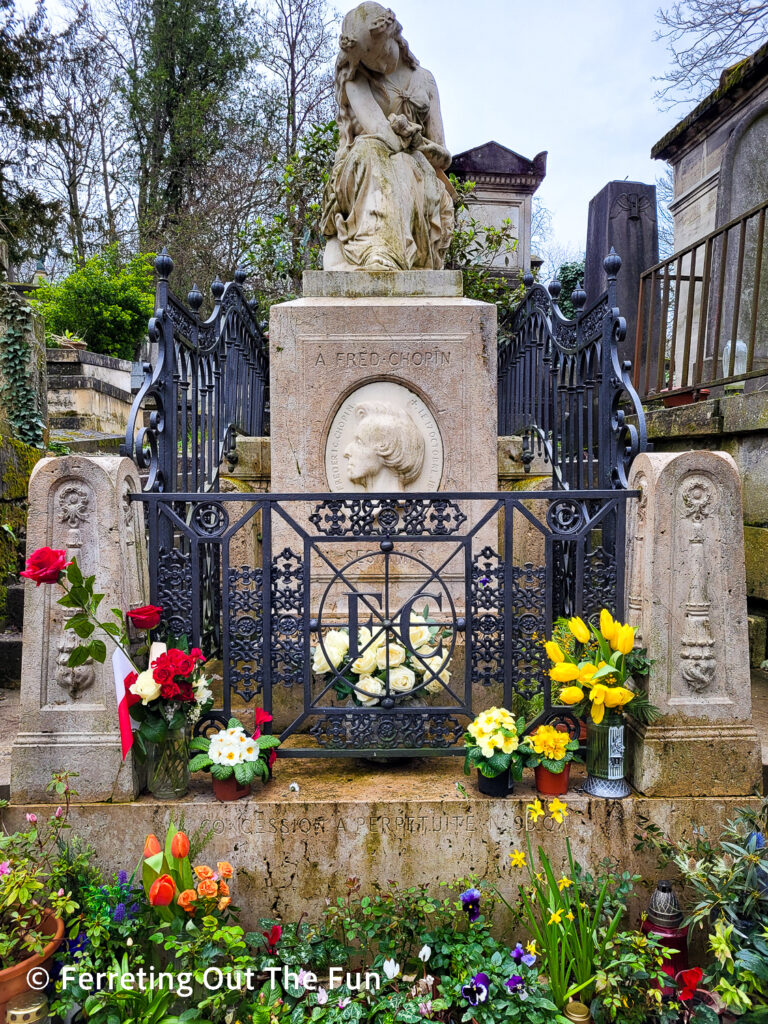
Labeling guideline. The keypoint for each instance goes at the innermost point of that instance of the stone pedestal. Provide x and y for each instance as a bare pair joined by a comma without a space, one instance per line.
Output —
382,383
686,592
69,716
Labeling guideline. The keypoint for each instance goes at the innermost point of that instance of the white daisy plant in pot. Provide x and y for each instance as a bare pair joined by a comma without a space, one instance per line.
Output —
234,758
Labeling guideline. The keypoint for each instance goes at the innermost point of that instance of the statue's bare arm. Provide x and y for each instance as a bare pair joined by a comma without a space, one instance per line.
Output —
434,145
369,114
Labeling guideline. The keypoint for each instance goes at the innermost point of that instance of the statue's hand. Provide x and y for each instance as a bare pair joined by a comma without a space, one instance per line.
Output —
403,127
437,155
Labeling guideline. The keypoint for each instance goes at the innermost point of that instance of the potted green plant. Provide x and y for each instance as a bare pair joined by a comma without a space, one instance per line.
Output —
492,744
234,758
550,751
34,907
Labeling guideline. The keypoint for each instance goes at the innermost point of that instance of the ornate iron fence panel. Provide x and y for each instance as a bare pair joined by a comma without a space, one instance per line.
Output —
209,381
378,624
563,388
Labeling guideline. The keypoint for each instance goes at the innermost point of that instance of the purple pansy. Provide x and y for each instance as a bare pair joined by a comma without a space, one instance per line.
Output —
515,983
518,953
470,900
529,960
476,990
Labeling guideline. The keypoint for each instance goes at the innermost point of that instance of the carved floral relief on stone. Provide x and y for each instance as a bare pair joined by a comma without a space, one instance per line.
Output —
384,439
697,658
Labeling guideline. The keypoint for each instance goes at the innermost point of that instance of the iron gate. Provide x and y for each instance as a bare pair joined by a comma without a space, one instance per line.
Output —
297,572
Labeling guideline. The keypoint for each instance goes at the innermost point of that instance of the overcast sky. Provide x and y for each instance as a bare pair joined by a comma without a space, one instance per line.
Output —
573,77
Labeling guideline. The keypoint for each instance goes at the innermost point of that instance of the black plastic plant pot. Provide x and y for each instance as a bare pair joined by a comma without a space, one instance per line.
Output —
499,786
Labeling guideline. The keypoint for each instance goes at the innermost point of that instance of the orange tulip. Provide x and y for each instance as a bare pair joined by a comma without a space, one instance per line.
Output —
225,869
186,899
180,846
203,872
151,846
207,888
162,891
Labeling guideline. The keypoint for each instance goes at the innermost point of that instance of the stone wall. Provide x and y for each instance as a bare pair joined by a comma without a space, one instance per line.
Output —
736,424
88,391
698,147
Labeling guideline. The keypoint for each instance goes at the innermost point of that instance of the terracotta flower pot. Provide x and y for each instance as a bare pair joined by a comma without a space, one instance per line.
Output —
229,789
13,980
551,784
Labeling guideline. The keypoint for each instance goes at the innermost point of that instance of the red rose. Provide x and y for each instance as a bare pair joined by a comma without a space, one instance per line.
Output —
186,692
145,618
162,674
131,698
46,565
170,690
179,661
185,665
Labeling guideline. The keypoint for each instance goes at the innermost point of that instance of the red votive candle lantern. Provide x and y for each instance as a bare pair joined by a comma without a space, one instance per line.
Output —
664,923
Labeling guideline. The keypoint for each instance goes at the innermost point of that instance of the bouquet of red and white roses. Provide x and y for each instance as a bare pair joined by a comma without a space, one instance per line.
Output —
171,692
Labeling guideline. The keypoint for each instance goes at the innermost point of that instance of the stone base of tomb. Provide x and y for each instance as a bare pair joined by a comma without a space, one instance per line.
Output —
409,822
680,760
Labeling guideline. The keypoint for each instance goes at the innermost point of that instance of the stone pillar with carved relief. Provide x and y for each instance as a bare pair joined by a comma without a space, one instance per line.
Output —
69,715
686,593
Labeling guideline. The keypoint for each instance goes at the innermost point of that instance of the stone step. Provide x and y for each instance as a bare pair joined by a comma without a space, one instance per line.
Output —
92,442
10,659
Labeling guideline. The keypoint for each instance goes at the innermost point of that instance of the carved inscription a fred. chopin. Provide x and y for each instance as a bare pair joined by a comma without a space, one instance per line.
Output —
365,360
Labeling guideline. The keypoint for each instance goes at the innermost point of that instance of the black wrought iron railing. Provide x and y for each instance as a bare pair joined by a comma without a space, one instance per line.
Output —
563,388
298,573
209,381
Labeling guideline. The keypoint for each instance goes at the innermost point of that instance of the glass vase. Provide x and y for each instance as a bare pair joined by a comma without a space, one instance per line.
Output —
605,758
168,765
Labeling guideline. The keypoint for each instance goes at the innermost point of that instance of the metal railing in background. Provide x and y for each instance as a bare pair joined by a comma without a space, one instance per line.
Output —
564,389
702,319
210,380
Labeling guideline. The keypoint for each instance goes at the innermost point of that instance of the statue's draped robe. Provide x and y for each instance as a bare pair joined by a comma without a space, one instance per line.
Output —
390,209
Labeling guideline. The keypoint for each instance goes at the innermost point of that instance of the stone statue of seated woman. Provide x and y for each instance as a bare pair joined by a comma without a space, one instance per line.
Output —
388,205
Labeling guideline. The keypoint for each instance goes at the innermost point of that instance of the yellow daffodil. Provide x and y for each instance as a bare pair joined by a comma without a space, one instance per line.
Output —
564,883
564,672
518,858
608,625
530,947
571,695
569,915
597,696
554,652
580,629
555,917
535,810
558,810
583,905
539,876
624,640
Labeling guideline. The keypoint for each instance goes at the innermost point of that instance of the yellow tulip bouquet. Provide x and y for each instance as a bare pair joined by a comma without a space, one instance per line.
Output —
594,666
493,744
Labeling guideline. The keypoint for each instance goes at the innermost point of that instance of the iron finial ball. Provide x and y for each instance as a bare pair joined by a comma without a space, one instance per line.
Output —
578,297
386,545
612,263
240,275
163,265
554,288
528,279
217,289
195,299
